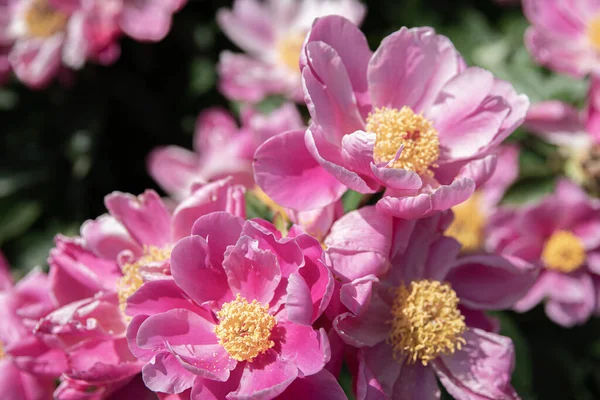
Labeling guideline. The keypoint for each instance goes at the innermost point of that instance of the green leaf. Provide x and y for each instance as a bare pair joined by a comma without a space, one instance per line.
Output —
351,200
203,76
16,217
528,190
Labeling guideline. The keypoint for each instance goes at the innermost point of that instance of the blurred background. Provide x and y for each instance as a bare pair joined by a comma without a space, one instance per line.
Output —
88,134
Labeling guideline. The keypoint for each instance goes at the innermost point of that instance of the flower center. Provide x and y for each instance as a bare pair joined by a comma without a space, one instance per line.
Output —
468,224
289,49
563,252
244,328
132,280
403,129
426,321
43,20
593,31
2,353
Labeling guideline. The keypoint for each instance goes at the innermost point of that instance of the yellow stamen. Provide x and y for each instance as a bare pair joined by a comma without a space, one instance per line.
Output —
132,280
289,49
468,224
563,252
2,353
593,31
426,322
245,328
403,128
280,217
43,20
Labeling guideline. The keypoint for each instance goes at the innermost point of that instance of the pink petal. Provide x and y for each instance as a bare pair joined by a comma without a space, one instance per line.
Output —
165,374
148,20
481,369
303,346
351,46
220,229
538,291
557,123
416,382
505,174
18,385
252,272
107,237
154,297
410,67
320,386
208,389
174,169
506,281
357,151
36,61
248,25
145,216
267,377
467,124
359,243
221,195
328,93
289,174
212,123
574,301
193,272
397,178
378,372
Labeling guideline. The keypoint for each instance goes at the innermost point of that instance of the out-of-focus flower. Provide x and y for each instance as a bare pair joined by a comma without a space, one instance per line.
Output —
410,118
28,366
271,33
48,34
236,321
576,133
221,148
471,217
561,233
416,310
564,35
92,277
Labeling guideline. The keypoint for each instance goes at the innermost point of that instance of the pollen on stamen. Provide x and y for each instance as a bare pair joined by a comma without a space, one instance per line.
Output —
404,128
132,280
593,31
426,322
468,224
563,252
244,329
2,353
43,20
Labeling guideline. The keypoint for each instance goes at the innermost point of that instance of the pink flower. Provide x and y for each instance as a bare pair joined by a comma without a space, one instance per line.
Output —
472,216
271,33
148,20
415,310
236,322
93,275
410,118
48,34
561,234
28,366
564,35
221,149
576,133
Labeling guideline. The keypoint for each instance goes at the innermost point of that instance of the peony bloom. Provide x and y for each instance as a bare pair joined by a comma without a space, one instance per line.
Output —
92,276
410,118
28,366
472,216
561,234
221,149
564,35
576,133
415,310
236,321
271,33
48,34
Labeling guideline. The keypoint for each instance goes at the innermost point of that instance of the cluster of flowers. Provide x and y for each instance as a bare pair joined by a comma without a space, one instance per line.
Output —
40,38
192,301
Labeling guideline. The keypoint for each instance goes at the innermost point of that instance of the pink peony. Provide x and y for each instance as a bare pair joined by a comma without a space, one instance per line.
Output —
93,275
271,33
564,35
221,149
48,34
472,216
28,366
561,234
236,321
410,118
415,310
576,133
